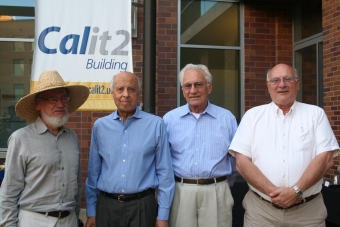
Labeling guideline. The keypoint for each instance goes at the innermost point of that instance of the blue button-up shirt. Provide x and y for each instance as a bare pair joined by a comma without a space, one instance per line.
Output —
129,158
199,147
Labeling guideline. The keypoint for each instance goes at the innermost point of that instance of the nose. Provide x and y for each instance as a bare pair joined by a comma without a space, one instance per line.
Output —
282,83
193,89
125,92
60,103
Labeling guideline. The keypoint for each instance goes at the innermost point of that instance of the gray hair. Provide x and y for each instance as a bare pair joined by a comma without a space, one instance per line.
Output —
138,81
295,71
200,67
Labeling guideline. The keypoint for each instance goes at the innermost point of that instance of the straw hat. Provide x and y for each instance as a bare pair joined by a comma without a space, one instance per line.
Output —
48,80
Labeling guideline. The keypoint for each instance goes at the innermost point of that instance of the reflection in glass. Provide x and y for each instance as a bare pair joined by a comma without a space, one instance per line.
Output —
209,23
308,19
18,67
18,46
18,91
224,67
16,55
306,64
12,27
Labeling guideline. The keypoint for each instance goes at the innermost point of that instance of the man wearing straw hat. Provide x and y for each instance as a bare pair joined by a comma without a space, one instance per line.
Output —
42,184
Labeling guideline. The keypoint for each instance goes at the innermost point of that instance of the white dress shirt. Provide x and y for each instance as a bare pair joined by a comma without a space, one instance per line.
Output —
282,146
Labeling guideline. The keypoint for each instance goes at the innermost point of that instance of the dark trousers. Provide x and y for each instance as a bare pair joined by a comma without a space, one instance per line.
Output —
136,213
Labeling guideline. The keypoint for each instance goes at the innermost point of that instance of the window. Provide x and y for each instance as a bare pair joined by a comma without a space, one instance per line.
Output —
16,32
210,35
18,46
18,91
18,67
309,51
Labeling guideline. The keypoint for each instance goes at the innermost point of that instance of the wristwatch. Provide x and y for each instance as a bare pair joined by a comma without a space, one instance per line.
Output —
298,192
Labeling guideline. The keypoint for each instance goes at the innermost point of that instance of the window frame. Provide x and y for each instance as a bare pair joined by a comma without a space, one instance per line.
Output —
240,48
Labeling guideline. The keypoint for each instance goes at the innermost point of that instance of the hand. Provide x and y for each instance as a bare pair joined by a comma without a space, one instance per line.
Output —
161,223
91,222
284,197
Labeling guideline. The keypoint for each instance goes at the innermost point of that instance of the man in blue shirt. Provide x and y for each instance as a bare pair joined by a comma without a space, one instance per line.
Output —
199,135
129,158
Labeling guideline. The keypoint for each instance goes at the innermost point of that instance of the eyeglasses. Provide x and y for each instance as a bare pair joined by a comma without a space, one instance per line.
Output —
55,100
197,85
287,80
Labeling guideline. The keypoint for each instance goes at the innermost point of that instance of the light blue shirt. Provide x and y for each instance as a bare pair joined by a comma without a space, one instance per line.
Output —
129,158
199,147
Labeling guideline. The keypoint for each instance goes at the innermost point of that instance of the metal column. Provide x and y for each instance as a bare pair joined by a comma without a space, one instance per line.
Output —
149,56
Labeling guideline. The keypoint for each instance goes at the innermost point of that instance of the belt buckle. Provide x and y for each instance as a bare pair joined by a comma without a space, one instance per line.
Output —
197,182
119,198
59,215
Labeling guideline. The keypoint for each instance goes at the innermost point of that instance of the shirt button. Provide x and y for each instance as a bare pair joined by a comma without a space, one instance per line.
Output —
124,130
63,185
62,167
123,190
195,163
123,160
124,145
123,175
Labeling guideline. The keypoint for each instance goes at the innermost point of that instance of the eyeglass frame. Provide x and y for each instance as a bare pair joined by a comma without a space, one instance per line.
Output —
289,79
54,100
197,85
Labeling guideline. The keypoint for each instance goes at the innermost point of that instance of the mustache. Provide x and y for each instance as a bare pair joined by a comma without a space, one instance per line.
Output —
61,108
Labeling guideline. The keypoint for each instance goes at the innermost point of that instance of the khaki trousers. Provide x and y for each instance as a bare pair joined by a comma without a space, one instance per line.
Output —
34,219
202,205
262,213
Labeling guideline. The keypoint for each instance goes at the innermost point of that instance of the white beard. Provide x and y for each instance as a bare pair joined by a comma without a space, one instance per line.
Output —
54,122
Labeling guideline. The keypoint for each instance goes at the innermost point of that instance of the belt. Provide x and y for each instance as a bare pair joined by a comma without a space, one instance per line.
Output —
305,200
56,214
128,197
201,181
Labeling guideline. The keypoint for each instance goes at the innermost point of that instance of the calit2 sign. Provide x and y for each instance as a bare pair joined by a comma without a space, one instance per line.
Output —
86,41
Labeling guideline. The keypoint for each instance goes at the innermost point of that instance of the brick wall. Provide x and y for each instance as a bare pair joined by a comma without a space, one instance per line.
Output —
331,67
81,123
267,41
166,54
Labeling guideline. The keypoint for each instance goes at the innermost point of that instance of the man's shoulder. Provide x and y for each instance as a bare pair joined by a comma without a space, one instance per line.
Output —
306,106
104,118
27,130
148,116
309,109
177,111
220,110
259,108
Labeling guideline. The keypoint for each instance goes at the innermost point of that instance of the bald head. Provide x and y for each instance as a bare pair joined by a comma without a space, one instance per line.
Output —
125,74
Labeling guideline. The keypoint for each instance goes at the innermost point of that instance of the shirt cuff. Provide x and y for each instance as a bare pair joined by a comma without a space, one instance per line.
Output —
90,211
163,213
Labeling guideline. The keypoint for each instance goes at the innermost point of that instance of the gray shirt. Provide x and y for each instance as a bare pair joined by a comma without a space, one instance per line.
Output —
43,172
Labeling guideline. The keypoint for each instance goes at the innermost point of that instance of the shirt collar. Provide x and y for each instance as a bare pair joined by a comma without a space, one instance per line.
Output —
137,114
42,128
277,111
209,110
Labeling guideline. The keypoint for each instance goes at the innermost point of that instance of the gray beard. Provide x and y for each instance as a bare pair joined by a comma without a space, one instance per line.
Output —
55,122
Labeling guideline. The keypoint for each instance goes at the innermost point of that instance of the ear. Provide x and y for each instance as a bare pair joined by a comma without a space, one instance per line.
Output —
209,88
37,105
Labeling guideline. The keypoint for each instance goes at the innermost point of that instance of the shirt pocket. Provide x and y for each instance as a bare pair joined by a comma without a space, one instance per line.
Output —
304,140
